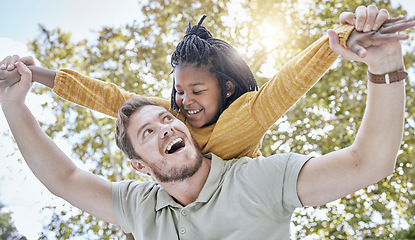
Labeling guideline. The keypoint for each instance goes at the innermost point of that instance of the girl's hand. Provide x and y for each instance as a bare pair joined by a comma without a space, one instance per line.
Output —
8,63
17,92
381,57
359,42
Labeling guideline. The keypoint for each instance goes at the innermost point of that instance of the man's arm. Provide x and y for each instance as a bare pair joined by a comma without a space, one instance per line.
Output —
51,166
373,155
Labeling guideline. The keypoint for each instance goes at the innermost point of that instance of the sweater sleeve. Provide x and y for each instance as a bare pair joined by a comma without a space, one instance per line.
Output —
294,79
241,127
94,94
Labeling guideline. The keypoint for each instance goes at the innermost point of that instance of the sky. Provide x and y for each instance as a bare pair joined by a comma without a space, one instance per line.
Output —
19,189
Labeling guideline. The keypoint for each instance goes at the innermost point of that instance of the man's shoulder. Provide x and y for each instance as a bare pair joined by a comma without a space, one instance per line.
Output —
280,157
137,186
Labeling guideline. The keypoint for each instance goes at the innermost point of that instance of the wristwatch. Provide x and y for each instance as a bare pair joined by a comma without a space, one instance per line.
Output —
387,78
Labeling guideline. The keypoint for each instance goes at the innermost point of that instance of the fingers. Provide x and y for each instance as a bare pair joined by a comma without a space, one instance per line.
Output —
334,43
28,60
395,19
25,73
9,62
370,18
379,39
360,18
347,18
371,15
358,50
383,15
397,25
4,63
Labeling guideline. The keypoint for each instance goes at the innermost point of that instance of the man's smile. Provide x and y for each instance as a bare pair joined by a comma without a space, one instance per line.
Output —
175,145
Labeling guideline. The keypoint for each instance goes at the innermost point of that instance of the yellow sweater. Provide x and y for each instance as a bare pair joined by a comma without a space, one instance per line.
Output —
241,127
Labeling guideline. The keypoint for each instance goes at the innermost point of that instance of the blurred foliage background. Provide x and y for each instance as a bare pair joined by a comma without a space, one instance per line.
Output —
267,34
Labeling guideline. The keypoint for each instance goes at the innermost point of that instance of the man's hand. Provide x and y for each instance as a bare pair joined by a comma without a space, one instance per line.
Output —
17,92
381,58
365,19
359,42
8,63
9,75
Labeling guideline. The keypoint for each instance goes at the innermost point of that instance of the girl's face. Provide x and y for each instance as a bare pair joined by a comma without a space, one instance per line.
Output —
198,95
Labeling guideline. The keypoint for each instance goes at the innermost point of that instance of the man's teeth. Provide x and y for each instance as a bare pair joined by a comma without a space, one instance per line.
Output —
172,143
191,112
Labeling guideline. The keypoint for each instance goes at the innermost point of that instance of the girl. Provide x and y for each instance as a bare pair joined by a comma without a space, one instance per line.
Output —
214,91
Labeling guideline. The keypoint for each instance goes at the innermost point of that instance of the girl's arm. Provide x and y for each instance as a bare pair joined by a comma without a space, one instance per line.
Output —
91,93
295,78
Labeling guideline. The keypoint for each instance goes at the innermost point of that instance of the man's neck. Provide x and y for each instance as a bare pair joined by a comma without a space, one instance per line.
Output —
188,190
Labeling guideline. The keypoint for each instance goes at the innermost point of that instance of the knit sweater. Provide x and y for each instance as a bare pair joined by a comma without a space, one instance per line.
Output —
241,127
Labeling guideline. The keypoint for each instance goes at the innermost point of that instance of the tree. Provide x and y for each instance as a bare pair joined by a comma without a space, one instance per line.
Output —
266,33
7,229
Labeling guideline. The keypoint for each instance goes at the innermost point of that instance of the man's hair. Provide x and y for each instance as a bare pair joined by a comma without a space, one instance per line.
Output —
199,49
127,109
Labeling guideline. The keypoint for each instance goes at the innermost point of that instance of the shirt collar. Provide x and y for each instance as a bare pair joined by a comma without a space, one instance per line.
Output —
215,176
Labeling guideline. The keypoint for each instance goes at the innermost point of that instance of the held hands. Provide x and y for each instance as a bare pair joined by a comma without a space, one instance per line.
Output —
17,92
8,63
358,42
9,75
369,19
384,55
365,19
382,58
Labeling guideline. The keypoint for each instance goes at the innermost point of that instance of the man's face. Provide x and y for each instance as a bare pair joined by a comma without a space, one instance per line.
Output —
164,143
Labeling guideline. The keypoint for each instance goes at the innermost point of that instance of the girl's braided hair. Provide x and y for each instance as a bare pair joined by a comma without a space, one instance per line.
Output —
199,49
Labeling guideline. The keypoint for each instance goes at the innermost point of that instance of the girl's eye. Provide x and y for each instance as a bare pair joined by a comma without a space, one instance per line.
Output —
180,93
147,132
197,92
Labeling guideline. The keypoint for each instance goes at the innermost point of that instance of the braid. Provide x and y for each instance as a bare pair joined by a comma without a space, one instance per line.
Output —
199,49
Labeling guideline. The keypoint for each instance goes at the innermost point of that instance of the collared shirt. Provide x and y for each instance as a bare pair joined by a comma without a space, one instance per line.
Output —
241,199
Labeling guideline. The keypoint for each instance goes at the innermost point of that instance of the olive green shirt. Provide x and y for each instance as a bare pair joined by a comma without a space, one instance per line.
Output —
241,199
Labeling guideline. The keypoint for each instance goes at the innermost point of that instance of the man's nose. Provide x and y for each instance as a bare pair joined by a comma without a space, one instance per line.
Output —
166,130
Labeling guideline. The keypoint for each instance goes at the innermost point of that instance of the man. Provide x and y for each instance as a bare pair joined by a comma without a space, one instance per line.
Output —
196,196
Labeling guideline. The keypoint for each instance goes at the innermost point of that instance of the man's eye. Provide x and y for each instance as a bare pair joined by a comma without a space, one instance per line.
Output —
167,118
147,132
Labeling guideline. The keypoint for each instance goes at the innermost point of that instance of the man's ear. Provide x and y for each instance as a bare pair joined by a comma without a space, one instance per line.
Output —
230,88
139,166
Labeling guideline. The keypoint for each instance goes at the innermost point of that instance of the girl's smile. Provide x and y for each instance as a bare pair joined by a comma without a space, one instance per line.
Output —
198,95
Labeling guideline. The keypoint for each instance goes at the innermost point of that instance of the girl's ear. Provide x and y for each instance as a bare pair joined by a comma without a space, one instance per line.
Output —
139,166
230,88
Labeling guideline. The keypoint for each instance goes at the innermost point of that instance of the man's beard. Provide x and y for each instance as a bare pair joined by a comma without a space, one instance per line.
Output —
177,173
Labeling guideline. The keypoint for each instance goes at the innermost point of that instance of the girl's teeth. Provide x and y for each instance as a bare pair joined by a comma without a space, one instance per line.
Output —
193,111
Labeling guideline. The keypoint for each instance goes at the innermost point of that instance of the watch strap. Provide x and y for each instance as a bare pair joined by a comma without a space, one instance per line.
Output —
387,78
